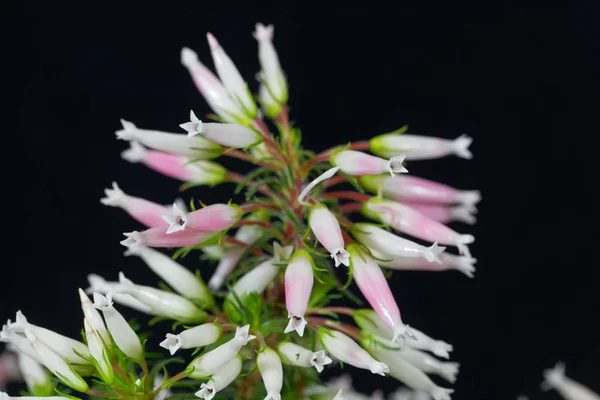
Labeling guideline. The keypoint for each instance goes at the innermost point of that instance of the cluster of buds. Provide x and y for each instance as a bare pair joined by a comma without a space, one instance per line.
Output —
262,326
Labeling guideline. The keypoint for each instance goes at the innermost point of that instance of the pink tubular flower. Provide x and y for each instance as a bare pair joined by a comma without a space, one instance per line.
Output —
408,220
419,190
445,214
357,163
298,285
417,147
143,211
212,89
213,218
157,237
326,228
176,166
374,286
448,262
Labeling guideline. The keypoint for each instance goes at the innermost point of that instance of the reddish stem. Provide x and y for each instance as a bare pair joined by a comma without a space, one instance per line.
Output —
340,326
259,223
337,310
253,207
324,156
334,181
239,155
96,393
351,207
257,252
347,195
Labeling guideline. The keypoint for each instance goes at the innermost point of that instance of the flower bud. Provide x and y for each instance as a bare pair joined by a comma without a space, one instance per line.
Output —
343,348
357,163
213,218
93,317
36,377
102,286
193,147
158,237
429,364
221,379
391,245
209,363
374,286
419,190
65,347
182,280
54,362
122,334
301,357
417,147
161,302
298,285
256,280
269,106
408,220
143,211
201,335
231,135
18,341
406,373
271,371
231,78
212,89
200,172
98,350
448,262
326,228
271,74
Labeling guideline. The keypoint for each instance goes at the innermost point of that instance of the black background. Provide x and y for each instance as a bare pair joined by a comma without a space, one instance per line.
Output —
502,73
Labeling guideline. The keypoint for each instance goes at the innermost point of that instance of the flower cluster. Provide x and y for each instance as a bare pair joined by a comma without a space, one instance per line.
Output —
263,326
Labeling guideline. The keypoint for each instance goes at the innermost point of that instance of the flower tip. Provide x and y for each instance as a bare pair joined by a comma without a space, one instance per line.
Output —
212,41
340,256
379,368
102,302
135,153
263,32
133,240
296,323
207,391
113,196
188,57
171,343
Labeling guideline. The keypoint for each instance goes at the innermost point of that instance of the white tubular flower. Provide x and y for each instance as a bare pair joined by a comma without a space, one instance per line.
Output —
18,341
269,106
67,348
368,320
417,147
163,303
194,147
102,286
462,264
271,371
201,335
99,352
159,379
343,348
209,363
55,363
93,317
324,176
5,396
408,374
231,135
123,335
182,280
221,379
569,389
212,89
299,281
256,280
357,163
301,357
36,377
405,393
271,74
389,244
429,364
231,78
327,230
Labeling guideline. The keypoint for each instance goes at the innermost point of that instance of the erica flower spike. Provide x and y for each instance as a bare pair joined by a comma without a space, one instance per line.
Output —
284,243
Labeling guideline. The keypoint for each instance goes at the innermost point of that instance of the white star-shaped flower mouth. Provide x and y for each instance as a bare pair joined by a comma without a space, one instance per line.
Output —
128,131
102,302
319,359
340,256
113,196
297,323
134,239
241,335
194,126
339,395
395,165
263,32
282,254
207,391
379,368
401,332
178,220
171,343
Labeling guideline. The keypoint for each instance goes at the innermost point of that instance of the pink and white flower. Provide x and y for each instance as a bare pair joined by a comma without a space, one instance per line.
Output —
271,73
158,237
231,135
213,218
175,166
299,280
343,348
357,163
142,210
326,228
417,147
389,244
374,286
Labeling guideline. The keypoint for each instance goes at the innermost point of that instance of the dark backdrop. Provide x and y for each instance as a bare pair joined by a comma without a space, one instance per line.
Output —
500,73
